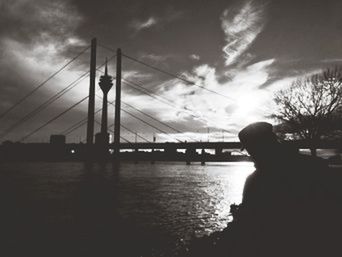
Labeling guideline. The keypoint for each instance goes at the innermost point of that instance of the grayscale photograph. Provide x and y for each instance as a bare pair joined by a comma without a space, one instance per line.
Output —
170,128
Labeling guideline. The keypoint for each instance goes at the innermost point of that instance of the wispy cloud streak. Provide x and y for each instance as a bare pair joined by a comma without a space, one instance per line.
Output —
144,24
241,26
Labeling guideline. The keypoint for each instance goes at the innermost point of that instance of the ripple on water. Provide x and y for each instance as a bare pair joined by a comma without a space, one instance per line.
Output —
178,199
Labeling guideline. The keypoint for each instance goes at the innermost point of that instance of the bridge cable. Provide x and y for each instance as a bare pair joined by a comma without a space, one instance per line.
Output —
74,127
106,47
83,121
172,75
42,83
155,96
77,125
149,93
145,122
49,101
175,76
42,106
161,122
109,128
162,100
53,119
134,132
166,72
166,101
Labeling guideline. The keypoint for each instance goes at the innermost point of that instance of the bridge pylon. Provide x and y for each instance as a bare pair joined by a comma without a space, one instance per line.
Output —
117,104
91,100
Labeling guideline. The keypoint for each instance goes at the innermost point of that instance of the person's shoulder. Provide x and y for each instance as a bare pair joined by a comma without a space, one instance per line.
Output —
250,180
253,175
250,187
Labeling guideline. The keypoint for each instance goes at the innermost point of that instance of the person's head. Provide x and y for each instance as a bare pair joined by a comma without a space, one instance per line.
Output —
259,141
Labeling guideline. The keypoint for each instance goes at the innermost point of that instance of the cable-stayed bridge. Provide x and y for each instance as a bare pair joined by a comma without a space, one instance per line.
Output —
102,146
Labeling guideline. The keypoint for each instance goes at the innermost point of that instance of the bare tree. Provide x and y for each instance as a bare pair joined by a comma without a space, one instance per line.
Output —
311,107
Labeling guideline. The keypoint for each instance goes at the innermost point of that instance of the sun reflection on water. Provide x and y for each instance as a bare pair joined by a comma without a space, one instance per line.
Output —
223,192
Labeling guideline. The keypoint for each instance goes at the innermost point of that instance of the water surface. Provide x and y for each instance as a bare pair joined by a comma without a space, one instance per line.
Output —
170,200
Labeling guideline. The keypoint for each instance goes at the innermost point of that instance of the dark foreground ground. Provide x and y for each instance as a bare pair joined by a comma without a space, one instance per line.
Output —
328,243
32,226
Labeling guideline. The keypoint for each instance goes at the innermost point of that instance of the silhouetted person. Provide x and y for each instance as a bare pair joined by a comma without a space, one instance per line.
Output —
283,212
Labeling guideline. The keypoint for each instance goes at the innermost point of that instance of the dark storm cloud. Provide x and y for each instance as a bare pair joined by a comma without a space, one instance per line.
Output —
36,37
36,30
33,22
301,30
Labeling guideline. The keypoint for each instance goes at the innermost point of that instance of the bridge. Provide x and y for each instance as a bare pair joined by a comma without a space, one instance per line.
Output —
121,107
99,143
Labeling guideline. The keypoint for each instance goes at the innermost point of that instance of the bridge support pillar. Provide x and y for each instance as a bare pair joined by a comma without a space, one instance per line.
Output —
203,157
117,105
190,153
91,100
218,151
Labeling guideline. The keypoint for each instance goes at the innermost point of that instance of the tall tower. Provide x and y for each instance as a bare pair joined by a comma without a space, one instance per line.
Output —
105,85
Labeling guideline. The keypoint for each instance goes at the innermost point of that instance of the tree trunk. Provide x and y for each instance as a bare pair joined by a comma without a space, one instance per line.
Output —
314,144
313,151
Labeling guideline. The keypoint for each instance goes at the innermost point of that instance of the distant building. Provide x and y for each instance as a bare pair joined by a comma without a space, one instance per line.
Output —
57,139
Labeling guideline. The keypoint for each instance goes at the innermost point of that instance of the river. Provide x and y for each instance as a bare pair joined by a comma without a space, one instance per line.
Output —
50,201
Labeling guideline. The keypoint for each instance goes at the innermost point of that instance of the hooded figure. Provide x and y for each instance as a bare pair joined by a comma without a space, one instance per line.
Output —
280,214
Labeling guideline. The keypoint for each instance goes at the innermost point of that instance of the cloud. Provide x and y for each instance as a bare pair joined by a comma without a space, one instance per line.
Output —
39,20
245,102
36,39
139,25
49,28
136,75
240,98
195,57
241,26
156,21
332,60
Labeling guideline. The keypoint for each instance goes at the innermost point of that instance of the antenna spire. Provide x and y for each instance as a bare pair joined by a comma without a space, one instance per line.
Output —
106,68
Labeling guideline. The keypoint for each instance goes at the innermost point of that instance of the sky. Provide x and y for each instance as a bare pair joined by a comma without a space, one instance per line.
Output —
241,52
